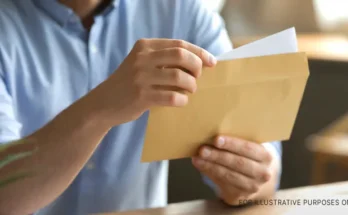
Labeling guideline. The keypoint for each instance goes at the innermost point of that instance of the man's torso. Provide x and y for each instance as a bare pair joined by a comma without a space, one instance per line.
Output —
48,61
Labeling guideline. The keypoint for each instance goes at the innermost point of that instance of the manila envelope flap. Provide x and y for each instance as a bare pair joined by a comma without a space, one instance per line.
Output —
256,99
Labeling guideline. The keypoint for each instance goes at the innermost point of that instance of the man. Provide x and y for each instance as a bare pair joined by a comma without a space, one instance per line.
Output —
76,81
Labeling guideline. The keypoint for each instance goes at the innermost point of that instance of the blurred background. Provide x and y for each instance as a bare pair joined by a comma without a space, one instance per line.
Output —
247,17
317,152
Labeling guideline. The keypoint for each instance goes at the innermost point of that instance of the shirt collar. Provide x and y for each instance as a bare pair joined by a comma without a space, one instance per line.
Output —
63,14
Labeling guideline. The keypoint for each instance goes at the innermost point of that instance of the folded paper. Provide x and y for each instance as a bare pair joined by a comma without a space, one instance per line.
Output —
255,98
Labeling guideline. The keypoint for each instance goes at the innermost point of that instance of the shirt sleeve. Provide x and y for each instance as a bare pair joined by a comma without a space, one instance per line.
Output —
276,149
9,126
207,30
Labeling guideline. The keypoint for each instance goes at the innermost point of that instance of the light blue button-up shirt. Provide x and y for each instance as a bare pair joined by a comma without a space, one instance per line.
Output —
48,61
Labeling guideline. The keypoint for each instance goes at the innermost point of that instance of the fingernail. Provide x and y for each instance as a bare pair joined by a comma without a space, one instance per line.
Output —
220,142
212,60
198,162
206,153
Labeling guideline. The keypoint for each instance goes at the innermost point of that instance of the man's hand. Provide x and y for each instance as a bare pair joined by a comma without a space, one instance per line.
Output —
157,72
241,169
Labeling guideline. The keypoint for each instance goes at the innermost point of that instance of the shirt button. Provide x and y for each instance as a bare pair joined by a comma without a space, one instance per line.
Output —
94,49
90,165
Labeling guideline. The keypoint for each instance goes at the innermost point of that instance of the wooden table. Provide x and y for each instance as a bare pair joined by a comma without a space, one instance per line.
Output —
329,146
332,139
336,192
325,47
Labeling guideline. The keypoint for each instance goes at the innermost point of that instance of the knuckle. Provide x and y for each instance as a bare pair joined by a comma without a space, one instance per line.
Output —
253,188
172,98
240,162
201,55
139,59
191,83
227,176
139,56
141,44
266,175
197,63
176,76
175,99
180,53
179,43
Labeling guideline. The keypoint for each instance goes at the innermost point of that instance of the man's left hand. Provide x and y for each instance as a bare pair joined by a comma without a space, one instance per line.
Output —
239,168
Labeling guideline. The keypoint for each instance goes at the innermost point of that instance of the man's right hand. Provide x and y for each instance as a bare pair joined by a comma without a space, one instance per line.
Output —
155,73
147,77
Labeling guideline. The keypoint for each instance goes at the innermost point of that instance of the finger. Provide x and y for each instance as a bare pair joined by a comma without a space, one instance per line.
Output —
237,198
177,58
243,148
240,181
234,162
159,44
174,78
166,98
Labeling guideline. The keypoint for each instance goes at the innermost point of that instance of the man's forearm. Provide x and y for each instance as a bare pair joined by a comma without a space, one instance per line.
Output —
63,147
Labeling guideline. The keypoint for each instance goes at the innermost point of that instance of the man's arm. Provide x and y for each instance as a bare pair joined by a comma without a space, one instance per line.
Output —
63,147
66,143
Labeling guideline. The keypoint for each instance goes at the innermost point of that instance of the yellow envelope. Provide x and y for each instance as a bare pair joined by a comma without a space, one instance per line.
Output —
256,99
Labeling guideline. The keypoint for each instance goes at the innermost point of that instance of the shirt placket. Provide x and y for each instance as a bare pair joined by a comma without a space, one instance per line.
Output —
95,77
96,73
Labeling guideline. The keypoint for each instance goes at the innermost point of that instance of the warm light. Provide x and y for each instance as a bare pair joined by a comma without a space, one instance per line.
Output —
331,14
